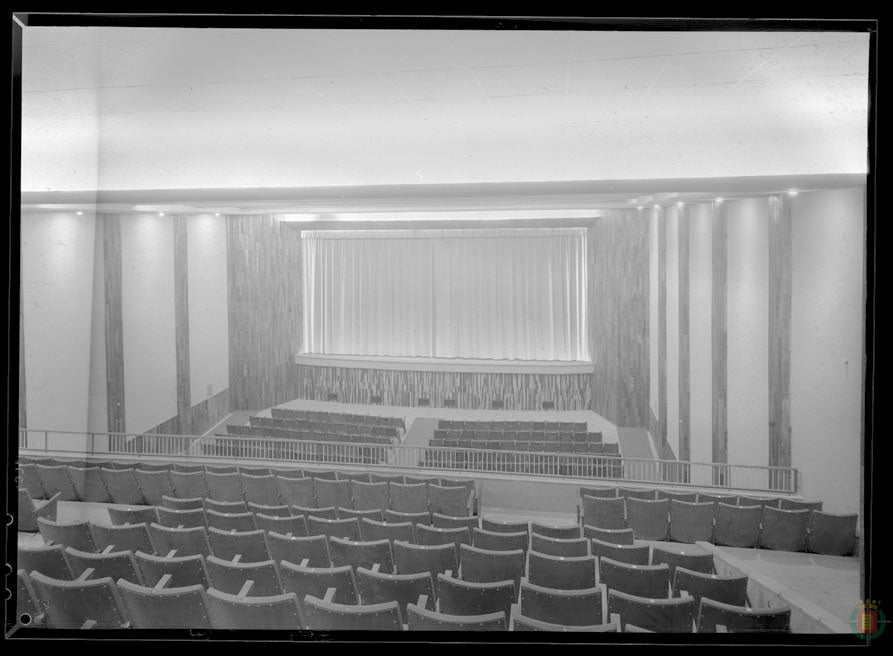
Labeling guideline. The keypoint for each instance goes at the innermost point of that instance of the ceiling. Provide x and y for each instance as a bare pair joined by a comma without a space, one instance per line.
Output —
140,108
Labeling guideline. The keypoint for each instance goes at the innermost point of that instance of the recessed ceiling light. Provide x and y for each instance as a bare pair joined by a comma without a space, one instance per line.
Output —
792,192
639,207
80,213
657,207
161,214
679,204
719,199
216,213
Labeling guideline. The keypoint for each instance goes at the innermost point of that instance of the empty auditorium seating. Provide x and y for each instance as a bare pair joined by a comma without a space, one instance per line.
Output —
122,486
370,496
261,490
446,521
48,560
692,560
649,520
338,528
409,498
30,509
322,513
422,619
174,571
831,534
604,513
130,537
93,603
88,484
650,581
658,615
224,486
499,541
376,587
70,534
181,518
182,504
315,581
629,554
121,515
568,532
784,530
236,521
28,610
323,615
726,589
189,485
735,619
737,526
153,485
233,577
184,541
54,480
494,526
415,559
295,525
114,565
362,554
403,517
691,522
269,613
484,566
312,551
432,536
457,597
296,491
452,501
371,530
521,623
572,573
611,536
559,547
165,608
272,511
794,504
569,607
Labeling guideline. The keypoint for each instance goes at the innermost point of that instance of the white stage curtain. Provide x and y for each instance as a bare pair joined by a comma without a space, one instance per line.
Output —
483,294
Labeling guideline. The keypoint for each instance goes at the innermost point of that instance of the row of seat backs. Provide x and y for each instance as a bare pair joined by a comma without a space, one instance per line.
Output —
138,486
519,425
805,529
512,435
327,426
340,417
386,600
306,435
657,494
537,446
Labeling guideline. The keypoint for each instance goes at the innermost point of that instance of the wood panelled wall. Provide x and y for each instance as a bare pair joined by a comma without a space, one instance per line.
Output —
181,312
114,321
720,333
684,332
618,316
264,282
196,419
661,436
470,390
780,288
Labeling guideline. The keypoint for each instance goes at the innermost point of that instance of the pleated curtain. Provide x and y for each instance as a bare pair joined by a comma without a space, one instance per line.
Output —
477,294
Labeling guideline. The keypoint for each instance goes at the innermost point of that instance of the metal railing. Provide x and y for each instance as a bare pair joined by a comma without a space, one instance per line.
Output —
418,457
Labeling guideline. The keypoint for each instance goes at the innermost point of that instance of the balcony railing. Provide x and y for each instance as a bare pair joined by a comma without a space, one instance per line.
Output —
415,458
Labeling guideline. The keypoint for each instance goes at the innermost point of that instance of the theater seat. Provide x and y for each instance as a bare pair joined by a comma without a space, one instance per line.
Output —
574,573
424,619
231,577
30,510
94,603
456,597
272,613
362,554
658,615
414,559
726,589
376,587
586,607
323,615
165,608
735,619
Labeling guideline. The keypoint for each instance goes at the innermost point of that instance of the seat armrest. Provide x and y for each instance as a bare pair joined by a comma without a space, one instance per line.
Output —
376,567
422,601
86,574
580,511
89,624
47,508
162,582
305,562
330,595
246,588
614,618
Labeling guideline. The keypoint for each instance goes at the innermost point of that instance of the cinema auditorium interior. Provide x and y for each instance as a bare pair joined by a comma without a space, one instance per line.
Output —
421,329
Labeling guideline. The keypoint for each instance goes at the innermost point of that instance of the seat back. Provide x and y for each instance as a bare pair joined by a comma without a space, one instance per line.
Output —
632,555
55,480
830,534
261,490
424,619
436,559
451,501
704,497
649,520
693,559
333,493
224,486
165,608
411,498
269,511
457,597
122,515
558,547
70,534
727,589
295,549
189,485
648,581
28,609
131,537
273,613
691,522
687,497
622,536
371,530
500,541
795,504
251,546
377,587
31,482
295,525
522,623
636,493
184,518
154,485
395,517
314,581
737,526
784,530
494,526
570,532
370,496
599,492
573,573
122,486
229,577
470,522
569,607
230,521
114,565
173,503
484,566
50,561
27,518
659,615
226,507
736,619
88,484
348,528
183,570
604,513
347,513
322,615
362,554
322,513
70,604
186,541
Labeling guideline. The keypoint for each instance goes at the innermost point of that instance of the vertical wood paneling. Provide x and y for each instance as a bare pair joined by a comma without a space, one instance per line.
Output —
196,419
264,305
181,313
661,437
684,365
780,288
618,314
719,340
114,331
